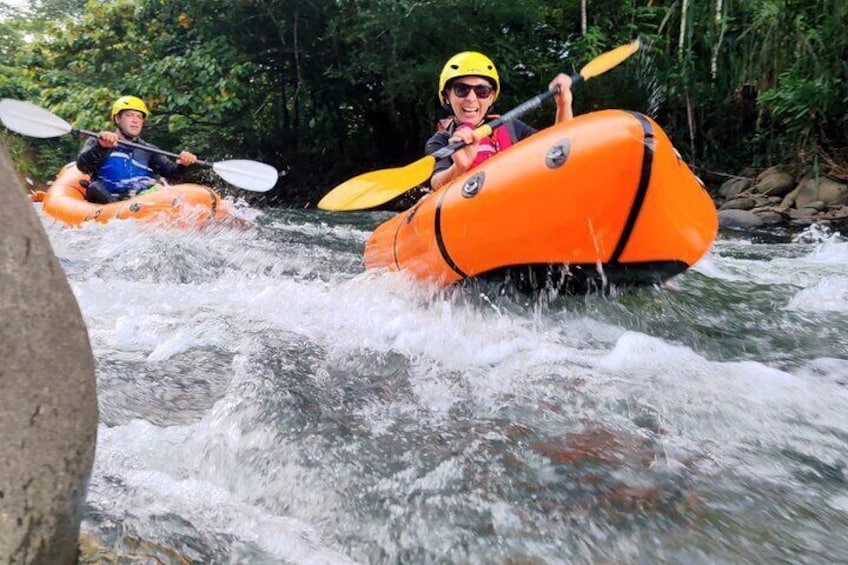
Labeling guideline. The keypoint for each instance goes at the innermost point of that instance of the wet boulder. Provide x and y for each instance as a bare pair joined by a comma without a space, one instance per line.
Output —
739,204
48,408
733,187
773,182
821,189
738,219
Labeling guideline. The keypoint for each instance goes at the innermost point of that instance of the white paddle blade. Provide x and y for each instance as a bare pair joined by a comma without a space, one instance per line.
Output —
29,119
249,175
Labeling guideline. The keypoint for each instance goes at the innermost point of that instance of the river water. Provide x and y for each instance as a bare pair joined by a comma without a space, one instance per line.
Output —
264,400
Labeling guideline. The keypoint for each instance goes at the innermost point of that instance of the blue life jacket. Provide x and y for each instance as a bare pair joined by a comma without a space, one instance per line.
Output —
126,169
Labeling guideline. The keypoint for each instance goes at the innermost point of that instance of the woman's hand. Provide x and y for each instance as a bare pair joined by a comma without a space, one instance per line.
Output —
462,158
563,97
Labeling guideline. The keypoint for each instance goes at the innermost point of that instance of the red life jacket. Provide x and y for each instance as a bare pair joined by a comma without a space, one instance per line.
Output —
502,137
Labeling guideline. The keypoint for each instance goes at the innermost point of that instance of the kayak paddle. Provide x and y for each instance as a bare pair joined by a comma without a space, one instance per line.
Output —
378,187
34,121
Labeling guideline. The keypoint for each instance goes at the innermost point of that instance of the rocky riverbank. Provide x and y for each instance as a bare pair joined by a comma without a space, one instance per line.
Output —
775,197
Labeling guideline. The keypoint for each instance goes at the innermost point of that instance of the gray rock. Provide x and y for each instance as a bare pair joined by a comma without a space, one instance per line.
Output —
738,219
802,222
838,213
48,407
833,193
789,200
738,204
805,212
733,187
773,182
770,218
822,189
767,173
807,191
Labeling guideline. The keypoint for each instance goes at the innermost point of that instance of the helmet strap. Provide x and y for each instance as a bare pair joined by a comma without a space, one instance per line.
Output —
123,133
446,101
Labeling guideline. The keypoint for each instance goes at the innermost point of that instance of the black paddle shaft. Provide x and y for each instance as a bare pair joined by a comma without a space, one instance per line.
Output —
140,146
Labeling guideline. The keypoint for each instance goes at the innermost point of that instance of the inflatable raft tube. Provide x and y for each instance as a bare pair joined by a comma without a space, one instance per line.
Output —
179,205
600,200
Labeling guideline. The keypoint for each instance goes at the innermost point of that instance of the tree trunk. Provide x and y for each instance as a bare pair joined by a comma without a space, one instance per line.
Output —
298,83
690,118
583,17
684,8
720,26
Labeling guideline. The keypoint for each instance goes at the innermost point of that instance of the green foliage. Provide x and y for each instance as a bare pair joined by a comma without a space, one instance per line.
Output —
325,89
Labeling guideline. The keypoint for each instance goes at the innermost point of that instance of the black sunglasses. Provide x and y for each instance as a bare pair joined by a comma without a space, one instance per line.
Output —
461,90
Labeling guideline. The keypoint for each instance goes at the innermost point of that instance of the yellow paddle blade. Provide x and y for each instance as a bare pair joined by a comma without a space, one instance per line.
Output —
605,61
377,187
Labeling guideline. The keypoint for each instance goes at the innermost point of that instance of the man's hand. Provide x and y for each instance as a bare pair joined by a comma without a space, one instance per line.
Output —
186,159
107,139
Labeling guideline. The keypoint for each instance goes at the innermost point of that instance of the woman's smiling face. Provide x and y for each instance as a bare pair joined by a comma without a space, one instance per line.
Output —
470,108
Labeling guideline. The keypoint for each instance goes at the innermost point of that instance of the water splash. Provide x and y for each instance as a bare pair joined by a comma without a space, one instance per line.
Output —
647,78
264,399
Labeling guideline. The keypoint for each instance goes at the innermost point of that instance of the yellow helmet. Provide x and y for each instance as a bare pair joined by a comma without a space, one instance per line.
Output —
465,64
128,103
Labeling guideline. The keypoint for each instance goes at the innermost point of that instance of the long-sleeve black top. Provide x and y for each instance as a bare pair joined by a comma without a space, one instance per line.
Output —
92,156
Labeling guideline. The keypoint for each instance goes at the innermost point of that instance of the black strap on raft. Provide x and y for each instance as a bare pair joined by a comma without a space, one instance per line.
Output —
641,191
440,241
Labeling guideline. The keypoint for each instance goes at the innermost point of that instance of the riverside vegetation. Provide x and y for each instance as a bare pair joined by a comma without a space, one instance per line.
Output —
329,89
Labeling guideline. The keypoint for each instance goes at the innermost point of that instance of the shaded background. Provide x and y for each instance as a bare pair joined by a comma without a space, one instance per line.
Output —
324,90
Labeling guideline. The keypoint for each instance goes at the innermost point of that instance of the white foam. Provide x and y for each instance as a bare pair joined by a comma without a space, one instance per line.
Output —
159,476
830,294
727,403
232,473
